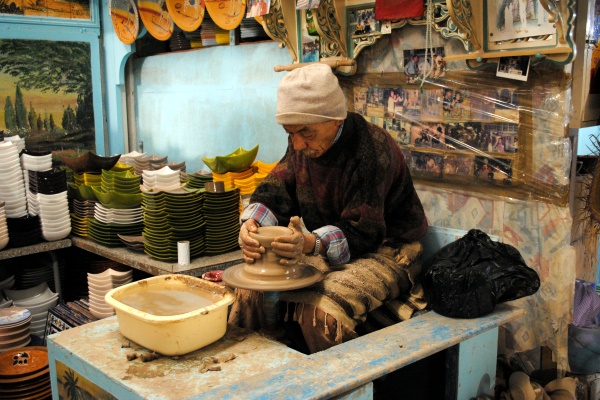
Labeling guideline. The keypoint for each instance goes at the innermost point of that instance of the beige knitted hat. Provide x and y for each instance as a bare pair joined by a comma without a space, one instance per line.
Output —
309,95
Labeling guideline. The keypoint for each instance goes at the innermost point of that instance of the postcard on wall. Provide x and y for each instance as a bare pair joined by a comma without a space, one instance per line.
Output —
500,137
375,102
464,135
427,163
360,99
459,164
399,129
507,106
513,68
483,104
456,104
516,19
431,105
493,169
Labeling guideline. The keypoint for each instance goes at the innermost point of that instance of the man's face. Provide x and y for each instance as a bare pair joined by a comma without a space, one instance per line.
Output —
313,140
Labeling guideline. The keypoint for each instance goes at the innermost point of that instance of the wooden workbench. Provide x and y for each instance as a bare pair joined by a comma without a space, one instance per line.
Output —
266,369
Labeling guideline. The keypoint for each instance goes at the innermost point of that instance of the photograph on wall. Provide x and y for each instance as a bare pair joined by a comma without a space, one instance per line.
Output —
483,104
493,169
307,4
459,164
48,99
360,99
412,104
363,22
74,9
507,105
310,38
464,136
431,135
513,68
517,19
456,105
417,64
255,8
430,164
376,102
399,129
431,105
501,137
394,100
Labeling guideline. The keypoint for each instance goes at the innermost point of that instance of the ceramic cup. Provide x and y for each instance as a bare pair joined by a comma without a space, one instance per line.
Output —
268,266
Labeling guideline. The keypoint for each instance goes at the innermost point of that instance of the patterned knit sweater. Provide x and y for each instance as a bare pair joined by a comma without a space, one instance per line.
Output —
361,185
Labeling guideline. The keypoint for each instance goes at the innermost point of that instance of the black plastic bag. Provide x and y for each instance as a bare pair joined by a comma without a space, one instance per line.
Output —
469,276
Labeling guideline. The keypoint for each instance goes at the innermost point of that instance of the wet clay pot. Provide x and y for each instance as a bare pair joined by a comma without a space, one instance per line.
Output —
268,265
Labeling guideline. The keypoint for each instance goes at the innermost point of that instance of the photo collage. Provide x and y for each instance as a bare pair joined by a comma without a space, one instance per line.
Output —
448,132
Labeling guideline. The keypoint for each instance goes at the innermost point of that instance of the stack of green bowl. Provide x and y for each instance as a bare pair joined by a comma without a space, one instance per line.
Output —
171,217
222,213
82,200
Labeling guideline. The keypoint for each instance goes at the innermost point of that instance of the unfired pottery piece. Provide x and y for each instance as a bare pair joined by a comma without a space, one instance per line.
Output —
266,273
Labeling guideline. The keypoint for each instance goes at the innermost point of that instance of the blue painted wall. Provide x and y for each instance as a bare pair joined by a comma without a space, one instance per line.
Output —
209,102
584,143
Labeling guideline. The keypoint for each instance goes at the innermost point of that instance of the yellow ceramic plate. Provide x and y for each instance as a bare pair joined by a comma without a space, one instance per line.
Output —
187,14
227,14
156,18
125,19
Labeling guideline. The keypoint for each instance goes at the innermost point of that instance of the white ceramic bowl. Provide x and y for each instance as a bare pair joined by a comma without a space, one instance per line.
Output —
38,308
56,235
41,291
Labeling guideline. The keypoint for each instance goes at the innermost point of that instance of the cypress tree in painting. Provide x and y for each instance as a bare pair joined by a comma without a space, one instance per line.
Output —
10,119
20,110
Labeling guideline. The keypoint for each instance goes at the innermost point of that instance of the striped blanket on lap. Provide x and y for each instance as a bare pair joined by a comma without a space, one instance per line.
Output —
379,289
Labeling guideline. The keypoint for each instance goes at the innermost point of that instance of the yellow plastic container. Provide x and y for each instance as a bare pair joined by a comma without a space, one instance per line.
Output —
173,334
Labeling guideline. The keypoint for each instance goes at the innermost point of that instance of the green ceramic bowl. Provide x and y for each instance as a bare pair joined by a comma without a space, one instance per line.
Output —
239,160
112,199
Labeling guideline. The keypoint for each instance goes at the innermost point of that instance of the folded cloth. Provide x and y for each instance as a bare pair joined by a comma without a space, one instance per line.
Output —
349,292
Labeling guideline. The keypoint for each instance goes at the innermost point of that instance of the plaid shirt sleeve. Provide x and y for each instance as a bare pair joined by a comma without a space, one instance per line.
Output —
259,213
335,242
332,237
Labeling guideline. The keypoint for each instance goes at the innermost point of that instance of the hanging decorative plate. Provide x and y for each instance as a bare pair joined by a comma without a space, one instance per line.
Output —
156,18
227,14
125,19
187,14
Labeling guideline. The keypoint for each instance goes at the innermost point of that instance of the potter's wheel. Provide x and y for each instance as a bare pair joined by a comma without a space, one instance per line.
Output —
236,276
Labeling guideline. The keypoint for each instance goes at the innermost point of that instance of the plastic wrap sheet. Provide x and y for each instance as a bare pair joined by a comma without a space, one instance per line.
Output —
474,130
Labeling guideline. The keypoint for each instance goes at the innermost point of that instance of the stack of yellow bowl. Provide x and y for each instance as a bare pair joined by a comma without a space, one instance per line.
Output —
229,178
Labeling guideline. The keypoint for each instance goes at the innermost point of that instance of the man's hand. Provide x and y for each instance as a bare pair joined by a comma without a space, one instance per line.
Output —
290,247
251,248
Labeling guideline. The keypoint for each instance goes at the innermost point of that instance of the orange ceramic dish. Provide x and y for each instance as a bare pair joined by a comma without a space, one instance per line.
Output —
227,14
156,18
125,19
187,14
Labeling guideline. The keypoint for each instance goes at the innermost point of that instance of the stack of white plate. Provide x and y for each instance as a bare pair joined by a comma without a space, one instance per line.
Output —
3,227
102,283
31,162
54,215
125,216
129,158
38,300
164,179
12,190
17,140
14,328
